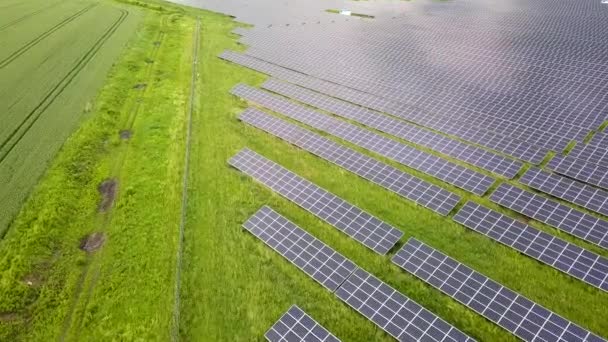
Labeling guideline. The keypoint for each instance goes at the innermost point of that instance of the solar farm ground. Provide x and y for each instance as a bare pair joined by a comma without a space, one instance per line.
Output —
232,287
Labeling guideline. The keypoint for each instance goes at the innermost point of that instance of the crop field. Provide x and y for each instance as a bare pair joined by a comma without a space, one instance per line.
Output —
54,59
123,219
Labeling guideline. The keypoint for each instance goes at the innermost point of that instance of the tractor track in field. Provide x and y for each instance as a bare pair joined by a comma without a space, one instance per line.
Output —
32,43
82,293
57,90
27,16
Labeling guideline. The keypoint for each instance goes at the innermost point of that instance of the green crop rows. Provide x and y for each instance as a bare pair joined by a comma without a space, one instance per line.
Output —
53,61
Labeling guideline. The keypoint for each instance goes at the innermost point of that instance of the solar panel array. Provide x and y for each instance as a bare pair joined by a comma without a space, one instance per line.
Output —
349,219
510,310
555,214
390,310
484,88
396,314
309,254
493,140
305,59
297,325
421,192
580,170
546,248
442,169
567,189
437,142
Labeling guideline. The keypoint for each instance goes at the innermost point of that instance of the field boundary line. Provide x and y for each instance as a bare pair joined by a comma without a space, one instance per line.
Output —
12,57
182,224
58,89
27,16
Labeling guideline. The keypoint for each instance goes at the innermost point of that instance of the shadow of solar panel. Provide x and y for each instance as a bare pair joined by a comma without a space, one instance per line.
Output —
403,184
453,148
309,254
510,310
580,170
567,189
492,140
442,169
395,313
562,217
297,325
349,219
546,248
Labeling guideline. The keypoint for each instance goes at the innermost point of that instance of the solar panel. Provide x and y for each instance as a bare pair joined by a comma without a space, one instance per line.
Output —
508,309
309,254
567,189
580,170
373,233
546,248
395,313
297,325
480,136
442,144
555,214
595,154
442,169
599,139
421,192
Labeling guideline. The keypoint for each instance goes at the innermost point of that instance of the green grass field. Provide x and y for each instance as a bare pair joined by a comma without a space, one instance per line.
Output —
233,287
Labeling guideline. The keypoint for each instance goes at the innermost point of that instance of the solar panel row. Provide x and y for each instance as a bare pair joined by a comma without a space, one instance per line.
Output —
492,140
546,248
297,325
580,170
400,129
390,310
421,192
395,313
595,154
555,214
586,196
510,310
309,254
599,139
442,169
349,219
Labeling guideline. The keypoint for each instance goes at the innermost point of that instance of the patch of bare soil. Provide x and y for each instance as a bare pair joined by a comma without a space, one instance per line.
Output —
139,86
8,316
107,189
125,134
33,279
92,242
